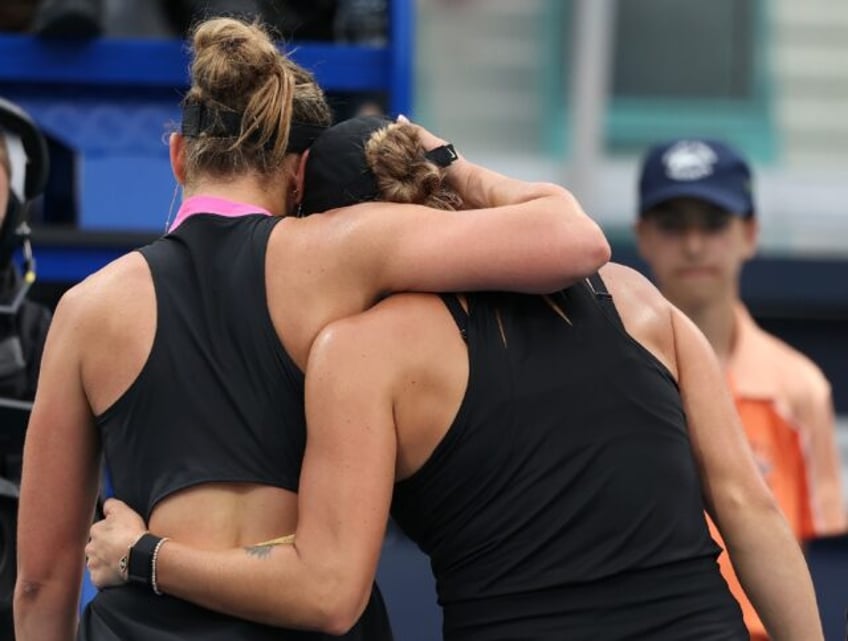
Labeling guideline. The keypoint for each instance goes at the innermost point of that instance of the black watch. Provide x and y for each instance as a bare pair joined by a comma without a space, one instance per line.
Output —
442,156
140,563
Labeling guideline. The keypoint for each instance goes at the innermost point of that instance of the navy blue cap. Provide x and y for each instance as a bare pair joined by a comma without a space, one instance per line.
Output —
696,168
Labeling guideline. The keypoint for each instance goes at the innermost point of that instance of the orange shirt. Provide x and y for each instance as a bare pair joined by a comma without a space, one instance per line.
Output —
785,406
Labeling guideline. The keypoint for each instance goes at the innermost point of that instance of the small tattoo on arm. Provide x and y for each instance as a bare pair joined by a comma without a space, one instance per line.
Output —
261,551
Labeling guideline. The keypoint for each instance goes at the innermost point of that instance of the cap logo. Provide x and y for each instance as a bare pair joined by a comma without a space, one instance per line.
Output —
689,160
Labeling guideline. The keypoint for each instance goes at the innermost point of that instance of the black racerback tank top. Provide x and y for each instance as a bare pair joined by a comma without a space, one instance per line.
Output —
218,399
564,501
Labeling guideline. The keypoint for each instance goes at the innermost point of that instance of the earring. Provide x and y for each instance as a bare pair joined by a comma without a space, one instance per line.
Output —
298,210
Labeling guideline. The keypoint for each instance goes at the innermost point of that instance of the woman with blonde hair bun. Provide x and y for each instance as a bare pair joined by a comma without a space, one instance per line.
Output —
182,363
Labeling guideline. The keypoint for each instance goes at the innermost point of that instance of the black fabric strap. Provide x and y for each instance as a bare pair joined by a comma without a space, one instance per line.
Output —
140,564
460,316
604,300
599,286
198,119
443,156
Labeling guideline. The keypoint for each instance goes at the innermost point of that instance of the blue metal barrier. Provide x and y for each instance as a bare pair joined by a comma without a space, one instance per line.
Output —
113,101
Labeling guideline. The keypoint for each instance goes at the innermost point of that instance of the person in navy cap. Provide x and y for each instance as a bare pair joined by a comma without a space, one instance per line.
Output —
696,228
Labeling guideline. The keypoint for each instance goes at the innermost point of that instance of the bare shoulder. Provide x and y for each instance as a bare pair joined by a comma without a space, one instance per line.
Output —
109,288
396,334
631,288
407,351
645,312
110,319
401,320
330,248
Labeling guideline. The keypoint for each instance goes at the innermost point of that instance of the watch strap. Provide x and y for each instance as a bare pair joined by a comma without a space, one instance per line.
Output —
443,156
140,562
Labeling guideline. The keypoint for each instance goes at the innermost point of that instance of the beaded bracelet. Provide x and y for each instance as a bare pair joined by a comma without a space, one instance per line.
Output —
153,582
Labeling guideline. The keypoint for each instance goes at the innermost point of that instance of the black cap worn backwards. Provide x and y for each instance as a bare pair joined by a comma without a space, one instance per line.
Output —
337,173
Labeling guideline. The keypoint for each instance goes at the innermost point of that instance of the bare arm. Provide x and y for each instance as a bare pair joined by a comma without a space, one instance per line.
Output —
522,236
816,417
323,580
766,557
529,237
58,488
480,187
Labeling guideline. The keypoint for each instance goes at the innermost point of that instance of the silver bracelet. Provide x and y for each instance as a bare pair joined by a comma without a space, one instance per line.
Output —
153,583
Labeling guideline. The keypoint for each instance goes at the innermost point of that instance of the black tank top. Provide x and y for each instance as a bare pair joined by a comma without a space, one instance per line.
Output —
564,501
218,399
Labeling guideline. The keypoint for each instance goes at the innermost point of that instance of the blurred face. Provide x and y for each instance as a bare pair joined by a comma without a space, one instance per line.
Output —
695,250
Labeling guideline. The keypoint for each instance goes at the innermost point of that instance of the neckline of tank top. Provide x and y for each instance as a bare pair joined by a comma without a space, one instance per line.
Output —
214,205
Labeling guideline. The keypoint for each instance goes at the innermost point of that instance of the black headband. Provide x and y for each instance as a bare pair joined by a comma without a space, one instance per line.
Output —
198,119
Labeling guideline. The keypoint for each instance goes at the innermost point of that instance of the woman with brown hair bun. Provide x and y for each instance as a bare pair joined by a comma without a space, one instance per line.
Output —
181,363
